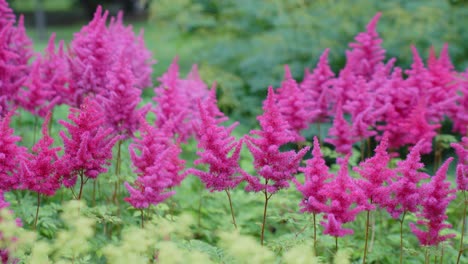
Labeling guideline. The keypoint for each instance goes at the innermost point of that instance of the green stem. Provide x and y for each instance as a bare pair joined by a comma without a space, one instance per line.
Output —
81,185
460,251
315,234
142,218
267,197
37,209
401,236
336,245
117,172
367,236
232,210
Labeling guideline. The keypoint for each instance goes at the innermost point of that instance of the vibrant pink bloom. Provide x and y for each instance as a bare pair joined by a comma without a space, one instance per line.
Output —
462,168
6,14
460,117
158,167
341,133
316,175
367,52
275,167
176,110
417,128
406,193
376,175
91,54
220,151
11,155
120,105
436,198
88,148
15,52
38,98
40,171
333,227
344,201
292,105
133,50
316,89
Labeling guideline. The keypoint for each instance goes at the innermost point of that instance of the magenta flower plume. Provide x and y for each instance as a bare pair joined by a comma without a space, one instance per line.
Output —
317,176
275,167
292,105
88,146
15,53
344,201
120,106
158,166
40,170
462,168
367,52
172,109
406,193
90,59
316,89
133,49
418,128
11,155
6,14
38,98
437,196
341,133
54,71
220,151
376,175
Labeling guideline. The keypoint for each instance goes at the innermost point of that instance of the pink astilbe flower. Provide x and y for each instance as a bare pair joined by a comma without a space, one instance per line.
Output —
316,175
344,201
38,98
341,133
54,70
88,148
292,105
172,109
437,196
133,50
11,155
417,128
40,170
316,89
120,106
6,14
158,166
15,53
275,167
220,151
376,175
91,54
462,168
406,193
460,117
367,52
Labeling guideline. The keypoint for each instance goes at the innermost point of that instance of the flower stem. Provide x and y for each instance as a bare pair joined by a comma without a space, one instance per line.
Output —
232,210
367,236
401,236
37,209
315,234
81,185
267,197
117,172
460,251
336,244
142,218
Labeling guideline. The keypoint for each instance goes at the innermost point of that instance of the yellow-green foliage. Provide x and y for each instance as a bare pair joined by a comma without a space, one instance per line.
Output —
170,253
342,257
14,238
134,247
300,254
245,249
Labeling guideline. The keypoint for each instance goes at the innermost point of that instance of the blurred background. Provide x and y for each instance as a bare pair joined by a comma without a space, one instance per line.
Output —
244,44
